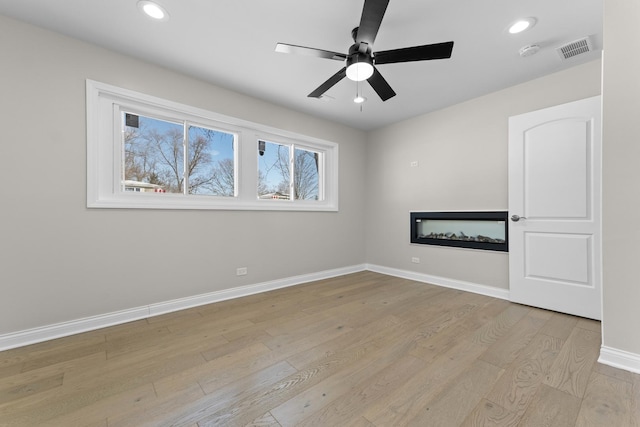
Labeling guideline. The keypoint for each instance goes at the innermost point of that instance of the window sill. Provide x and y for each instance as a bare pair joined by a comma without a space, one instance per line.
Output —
192,202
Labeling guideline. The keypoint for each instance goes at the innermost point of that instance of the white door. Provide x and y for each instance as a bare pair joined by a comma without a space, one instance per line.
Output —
554,208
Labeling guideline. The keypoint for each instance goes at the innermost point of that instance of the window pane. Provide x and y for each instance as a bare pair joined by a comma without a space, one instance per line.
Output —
153,155
274,176
212,168
305,175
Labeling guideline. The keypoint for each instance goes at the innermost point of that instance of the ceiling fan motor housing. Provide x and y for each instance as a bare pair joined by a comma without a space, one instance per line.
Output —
359,52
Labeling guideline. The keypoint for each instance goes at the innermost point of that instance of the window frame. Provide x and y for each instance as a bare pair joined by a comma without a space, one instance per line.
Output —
105,104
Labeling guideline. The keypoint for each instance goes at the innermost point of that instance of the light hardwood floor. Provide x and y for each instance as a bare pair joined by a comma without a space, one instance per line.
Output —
359,350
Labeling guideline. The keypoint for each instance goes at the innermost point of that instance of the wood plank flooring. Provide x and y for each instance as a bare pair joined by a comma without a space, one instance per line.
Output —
363,350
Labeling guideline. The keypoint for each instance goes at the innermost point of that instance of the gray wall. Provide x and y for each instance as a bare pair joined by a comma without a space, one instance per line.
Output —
462,157
61,261
621,176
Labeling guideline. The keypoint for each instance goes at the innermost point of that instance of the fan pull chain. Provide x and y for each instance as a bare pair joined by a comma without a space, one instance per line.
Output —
359,99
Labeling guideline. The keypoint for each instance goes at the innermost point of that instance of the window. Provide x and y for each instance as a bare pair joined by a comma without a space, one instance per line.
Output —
177,157
146,152
288,172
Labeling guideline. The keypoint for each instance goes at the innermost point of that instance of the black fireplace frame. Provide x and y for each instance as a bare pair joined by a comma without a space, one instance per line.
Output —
466,215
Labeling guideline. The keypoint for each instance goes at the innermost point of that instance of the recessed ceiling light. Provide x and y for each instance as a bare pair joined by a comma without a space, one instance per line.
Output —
521,25
153,10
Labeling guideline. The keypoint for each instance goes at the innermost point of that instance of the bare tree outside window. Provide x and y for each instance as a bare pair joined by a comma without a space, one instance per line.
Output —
273,178
167,151
139,165
305,175
211,171
222,180
280,172
154,154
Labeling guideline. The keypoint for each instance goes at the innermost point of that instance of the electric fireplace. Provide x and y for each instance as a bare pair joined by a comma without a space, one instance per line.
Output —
486,230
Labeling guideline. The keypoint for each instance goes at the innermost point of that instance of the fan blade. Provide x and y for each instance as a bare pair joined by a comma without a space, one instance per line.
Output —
372,14
328,84
416,53
309,51
380,85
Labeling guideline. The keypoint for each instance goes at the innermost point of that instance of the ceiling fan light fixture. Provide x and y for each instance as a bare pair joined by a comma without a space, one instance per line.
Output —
521,24
359,71
153,10
359,67
359,99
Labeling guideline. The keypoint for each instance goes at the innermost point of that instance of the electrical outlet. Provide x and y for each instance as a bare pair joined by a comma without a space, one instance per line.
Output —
241,271
414,164
415,260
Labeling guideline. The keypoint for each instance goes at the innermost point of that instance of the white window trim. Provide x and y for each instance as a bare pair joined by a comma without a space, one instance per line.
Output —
104,103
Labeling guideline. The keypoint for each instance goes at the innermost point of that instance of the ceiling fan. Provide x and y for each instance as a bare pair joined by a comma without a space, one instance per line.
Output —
361,60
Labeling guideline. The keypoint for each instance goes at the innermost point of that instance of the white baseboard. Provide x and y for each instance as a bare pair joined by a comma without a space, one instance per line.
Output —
620,359
58,330
442,281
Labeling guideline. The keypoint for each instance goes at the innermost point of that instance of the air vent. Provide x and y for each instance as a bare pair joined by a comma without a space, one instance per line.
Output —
575,48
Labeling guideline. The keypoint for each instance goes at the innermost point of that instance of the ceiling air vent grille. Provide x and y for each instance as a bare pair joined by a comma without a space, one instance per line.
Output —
575,48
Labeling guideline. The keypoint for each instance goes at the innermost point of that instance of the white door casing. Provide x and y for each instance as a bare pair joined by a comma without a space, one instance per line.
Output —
554,186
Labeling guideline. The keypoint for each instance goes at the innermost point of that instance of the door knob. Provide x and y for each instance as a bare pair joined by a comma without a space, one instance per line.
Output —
516,218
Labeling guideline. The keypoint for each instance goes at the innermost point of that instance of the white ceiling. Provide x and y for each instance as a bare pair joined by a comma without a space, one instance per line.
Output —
231,43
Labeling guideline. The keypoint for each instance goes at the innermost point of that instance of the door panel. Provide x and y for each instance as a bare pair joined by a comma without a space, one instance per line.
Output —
554,191
555,171
559,257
